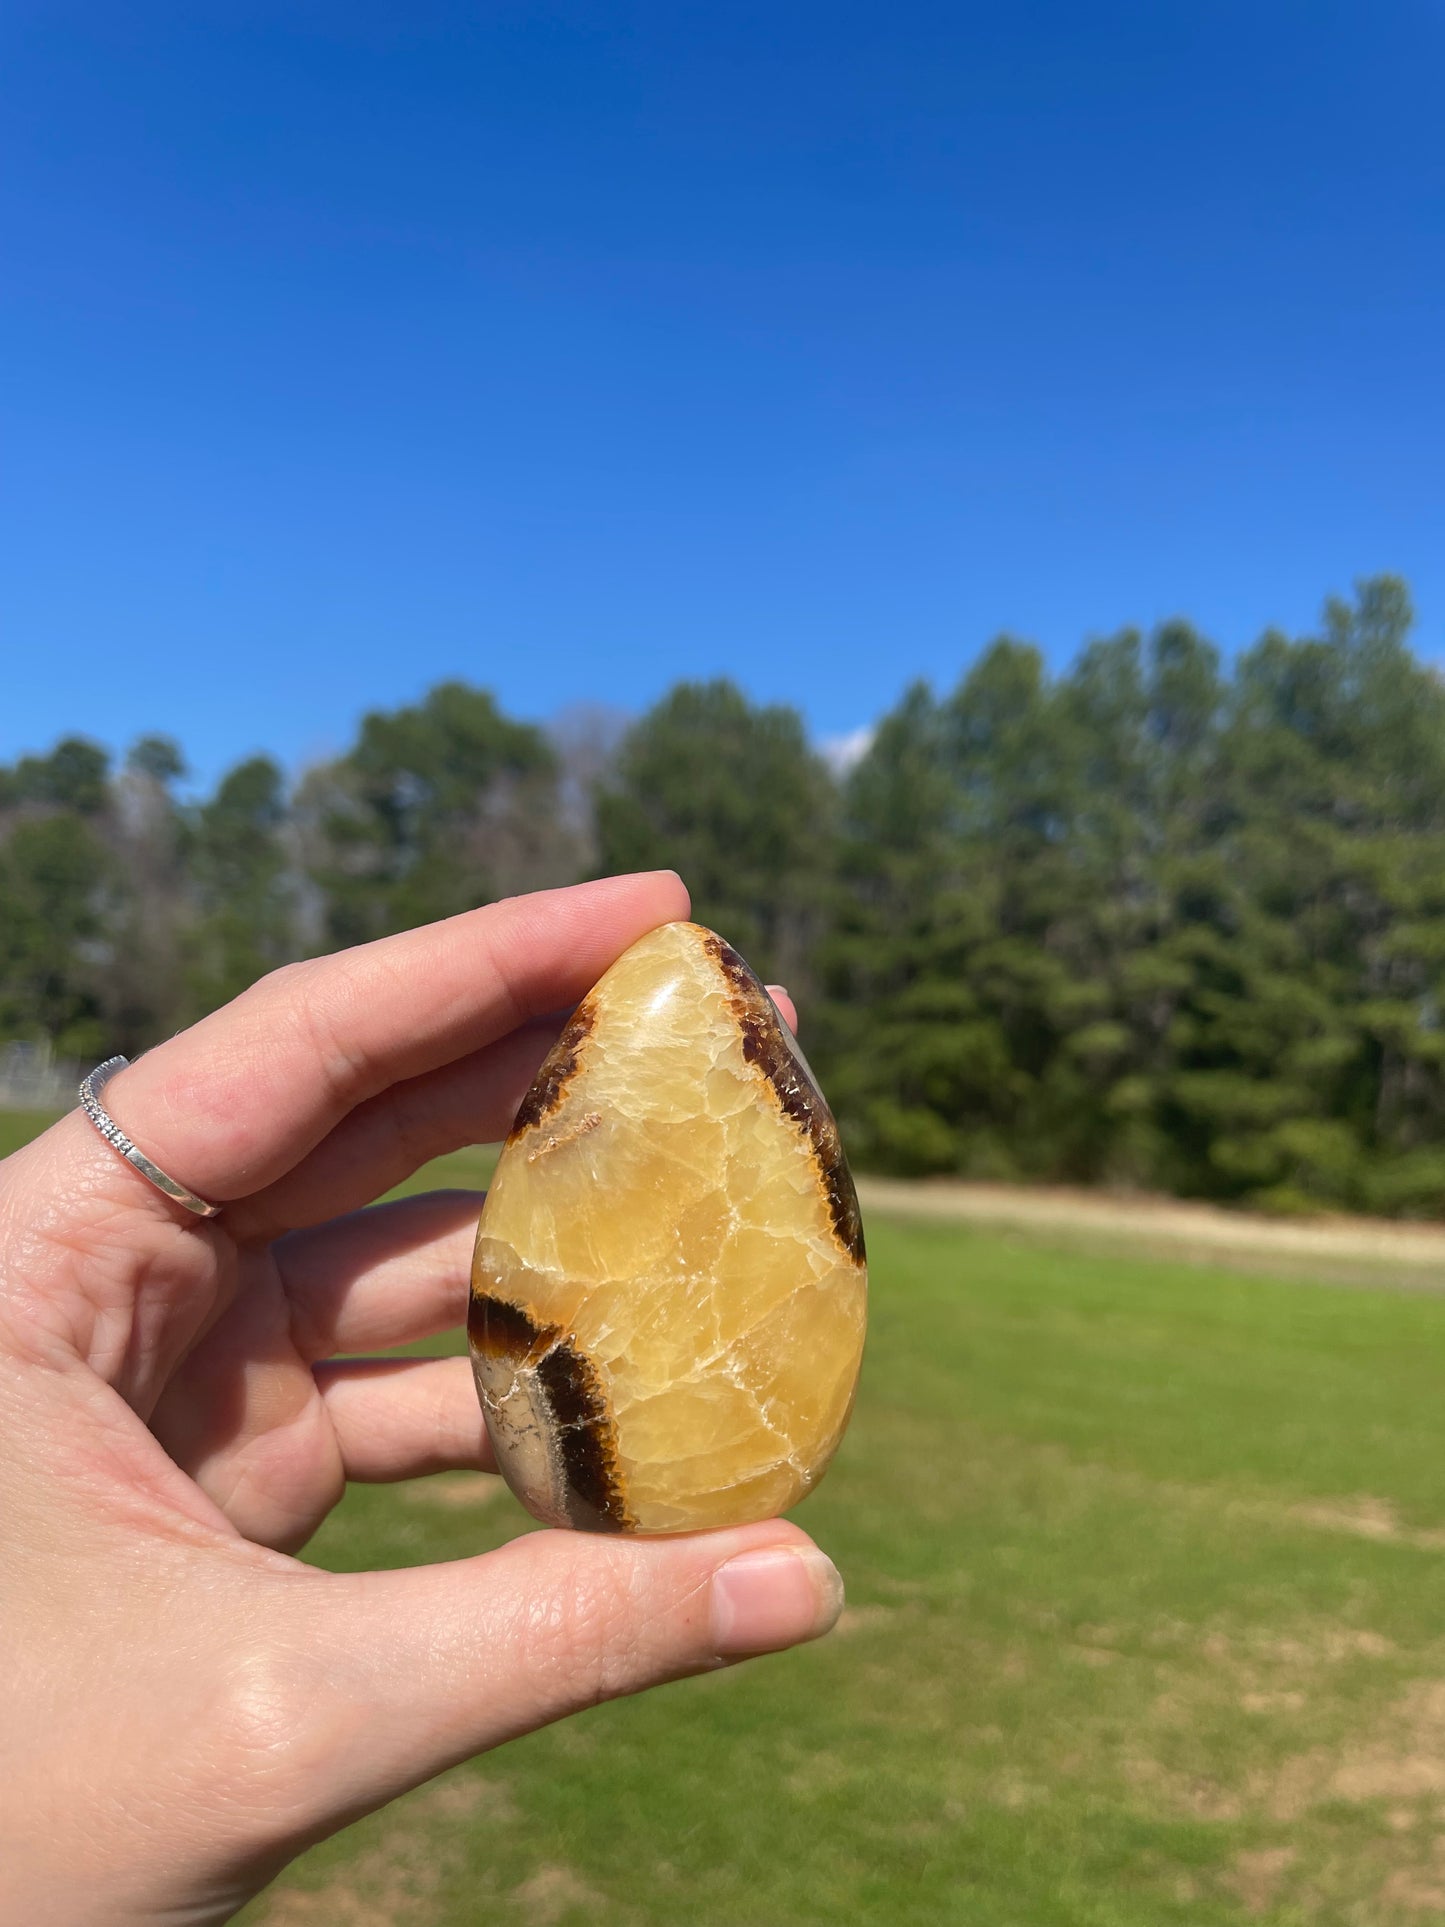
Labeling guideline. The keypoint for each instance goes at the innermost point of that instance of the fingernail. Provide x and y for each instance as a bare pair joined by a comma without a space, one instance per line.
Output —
764,1601
779,990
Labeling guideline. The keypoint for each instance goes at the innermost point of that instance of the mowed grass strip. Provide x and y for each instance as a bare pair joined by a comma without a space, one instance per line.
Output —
1146,1571
1146,1567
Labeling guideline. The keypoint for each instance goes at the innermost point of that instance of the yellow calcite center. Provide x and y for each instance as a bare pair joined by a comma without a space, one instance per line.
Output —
669,1285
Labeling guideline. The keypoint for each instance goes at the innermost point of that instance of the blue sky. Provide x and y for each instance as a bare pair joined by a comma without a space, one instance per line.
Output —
577,348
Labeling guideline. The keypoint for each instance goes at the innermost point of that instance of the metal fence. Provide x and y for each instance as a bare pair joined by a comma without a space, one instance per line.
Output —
33,1078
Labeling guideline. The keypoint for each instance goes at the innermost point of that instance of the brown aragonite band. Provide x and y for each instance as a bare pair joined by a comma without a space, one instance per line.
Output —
557,1390
557,1071
768,1043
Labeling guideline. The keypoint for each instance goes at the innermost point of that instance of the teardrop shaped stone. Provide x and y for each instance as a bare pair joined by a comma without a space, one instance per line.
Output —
668,1295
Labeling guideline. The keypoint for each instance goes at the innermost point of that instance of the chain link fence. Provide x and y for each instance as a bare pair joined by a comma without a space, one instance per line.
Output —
33,1078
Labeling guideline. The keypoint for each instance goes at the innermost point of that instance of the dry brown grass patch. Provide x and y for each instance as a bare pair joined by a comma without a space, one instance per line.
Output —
396,1881
552,1893
1256,1875
460,1490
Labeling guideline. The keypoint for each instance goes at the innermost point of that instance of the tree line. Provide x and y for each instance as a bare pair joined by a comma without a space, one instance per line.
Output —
1157,921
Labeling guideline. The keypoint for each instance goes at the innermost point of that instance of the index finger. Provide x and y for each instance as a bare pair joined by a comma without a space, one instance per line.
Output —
231,1104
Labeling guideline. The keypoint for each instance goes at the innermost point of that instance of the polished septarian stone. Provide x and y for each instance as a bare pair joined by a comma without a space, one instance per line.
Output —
669,1289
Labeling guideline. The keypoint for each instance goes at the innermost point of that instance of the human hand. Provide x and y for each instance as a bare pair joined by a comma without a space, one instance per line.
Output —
186,1705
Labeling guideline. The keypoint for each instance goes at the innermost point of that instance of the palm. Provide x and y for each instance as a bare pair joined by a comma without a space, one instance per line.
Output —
272,1462
264,1417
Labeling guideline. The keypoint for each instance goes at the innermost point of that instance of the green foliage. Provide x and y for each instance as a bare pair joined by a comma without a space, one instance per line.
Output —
243,887
157,757
71,777
1147,925
52,868
422,817
1149,922
732,798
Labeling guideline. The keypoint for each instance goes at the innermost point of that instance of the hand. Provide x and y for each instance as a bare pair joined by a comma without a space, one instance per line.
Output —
187,1706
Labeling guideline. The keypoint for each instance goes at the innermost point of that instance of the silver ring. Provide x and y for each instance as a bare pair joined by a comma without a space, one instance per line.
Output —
90,1090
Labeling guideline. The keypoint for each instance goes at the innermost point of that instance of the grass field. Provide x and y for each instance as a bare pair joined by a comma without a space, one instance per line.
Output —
1146,1625
18,1127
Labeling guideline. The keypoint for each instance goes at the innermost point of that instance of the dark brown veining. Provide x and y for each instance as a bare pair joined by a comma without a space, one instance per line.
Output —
498,1329
766,1044
588,1441
582,1431
558,1069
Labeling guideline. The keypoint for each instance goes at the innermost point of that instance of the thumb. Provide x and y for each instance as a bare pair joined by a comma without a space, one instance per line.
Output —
441,1662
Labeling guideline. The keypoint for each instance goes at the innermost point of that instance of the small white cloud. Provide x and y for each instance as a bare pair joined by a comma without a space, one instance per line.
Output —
840,753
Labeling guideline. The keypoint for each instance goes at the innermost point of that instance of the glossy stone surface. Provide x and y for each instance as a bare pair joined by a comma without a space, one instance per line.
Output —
668,1294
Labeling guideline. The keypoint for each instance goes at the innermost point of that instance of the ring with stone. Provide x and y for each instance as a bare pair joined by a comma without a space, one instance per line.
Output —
90,1090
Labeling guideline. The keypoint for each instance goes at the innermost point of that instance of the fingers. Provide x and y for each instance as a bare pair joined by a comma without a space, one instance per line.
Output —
787,1009
383,1277
400,1418
386,1139
233,1103
449,1660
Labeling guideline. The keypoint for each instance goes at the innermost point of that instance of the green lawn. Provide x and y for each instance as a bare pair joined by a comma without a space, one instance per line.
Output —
1146,1625
18,1127
1146,1569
